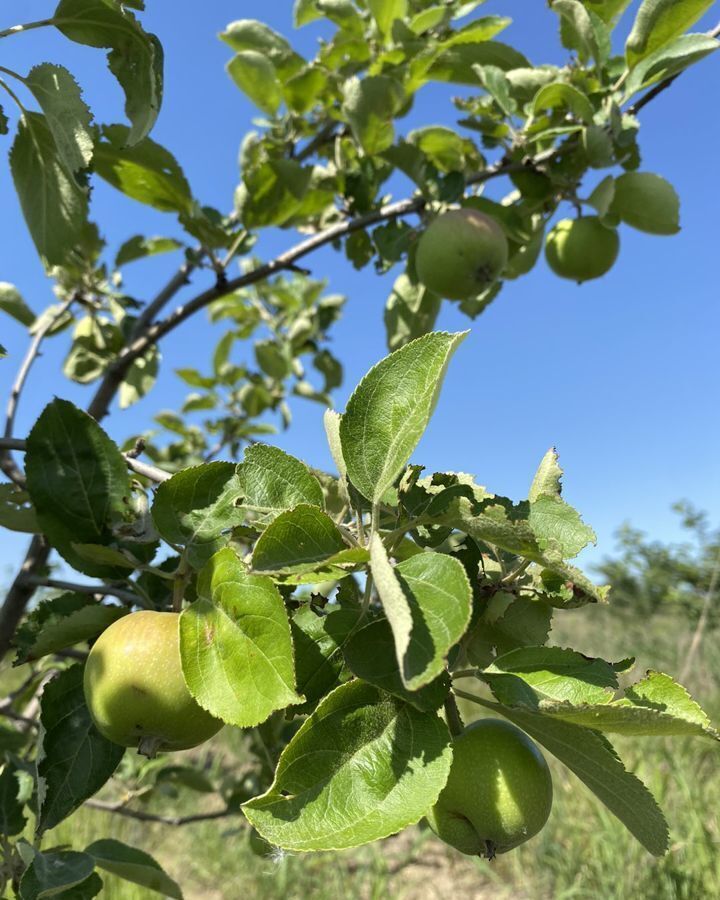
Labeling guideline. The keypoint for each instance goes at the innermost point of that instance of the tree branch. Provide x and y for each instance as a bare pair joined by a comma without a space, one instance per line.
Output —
98,590
7,463
143,816
151,472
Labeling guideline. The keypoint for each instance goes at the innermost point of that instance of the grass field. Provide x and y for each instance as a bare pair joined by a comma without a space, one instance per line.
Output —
583,852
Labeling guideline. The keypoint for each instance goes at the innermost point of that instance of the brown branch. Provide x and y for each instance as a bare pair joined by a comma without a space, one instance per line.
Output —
143,816
7,463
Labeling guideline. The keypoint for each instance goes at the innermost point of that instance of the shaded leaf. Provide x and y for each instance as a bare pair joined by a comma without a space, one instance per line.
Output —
62,622
363,766
592,758
12,303
138,247
55,206
133,865
77,479
74,760
298,540
135,58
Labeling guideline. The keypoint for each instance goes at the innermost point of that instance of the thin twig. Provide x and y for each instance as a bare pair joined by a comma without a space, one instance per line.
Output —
99,590
151,472
27,26
143,816
701,626
7,463
178,280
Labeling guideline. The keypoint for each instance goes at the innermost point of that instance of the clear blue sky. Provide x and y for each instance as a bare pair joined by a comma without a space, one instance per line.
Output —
621,374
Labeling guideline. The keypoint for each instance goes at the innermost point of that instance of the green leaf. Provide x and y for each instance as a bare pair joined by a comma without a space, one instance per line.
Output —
318,640
272,481
77,479
385,12
558,527
14,514
66,113
235,644
135,58
607,10
62,622
411,310
658,22
55,206
273,358
529,676
669,60
592,758
299,540
456,64
602,195
563,96
12,303
12,818
370,655
197,507
57,872
655,706
74,760
390,409
138,247
145,171
506,623
427,600
370,106
547,478
646,202
140,378
257,77
582,30
495,82
363,766
457,503
133,865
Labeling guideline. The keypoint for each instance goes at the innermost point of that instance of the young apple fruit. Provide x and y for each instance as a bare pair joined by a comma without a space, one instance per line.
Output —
498,794
135,690
581,249
461,253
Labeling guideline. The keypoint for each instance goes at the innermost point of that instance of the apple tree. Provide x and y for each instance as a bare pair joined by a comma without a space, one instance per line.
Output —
335,618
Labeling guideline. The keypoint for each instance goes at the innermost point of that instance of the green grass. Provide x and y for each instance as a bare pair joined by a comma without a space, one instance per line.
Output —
583,853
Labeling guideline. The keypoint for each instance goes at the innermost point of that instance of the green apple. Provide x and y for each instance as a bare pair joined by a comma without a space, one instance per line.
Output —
581,249
135,690
461,253
498,794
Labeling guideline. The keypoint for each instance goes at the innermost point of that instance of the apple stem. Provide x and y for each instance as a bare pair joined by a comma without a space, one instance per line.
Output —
452,716
149,746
